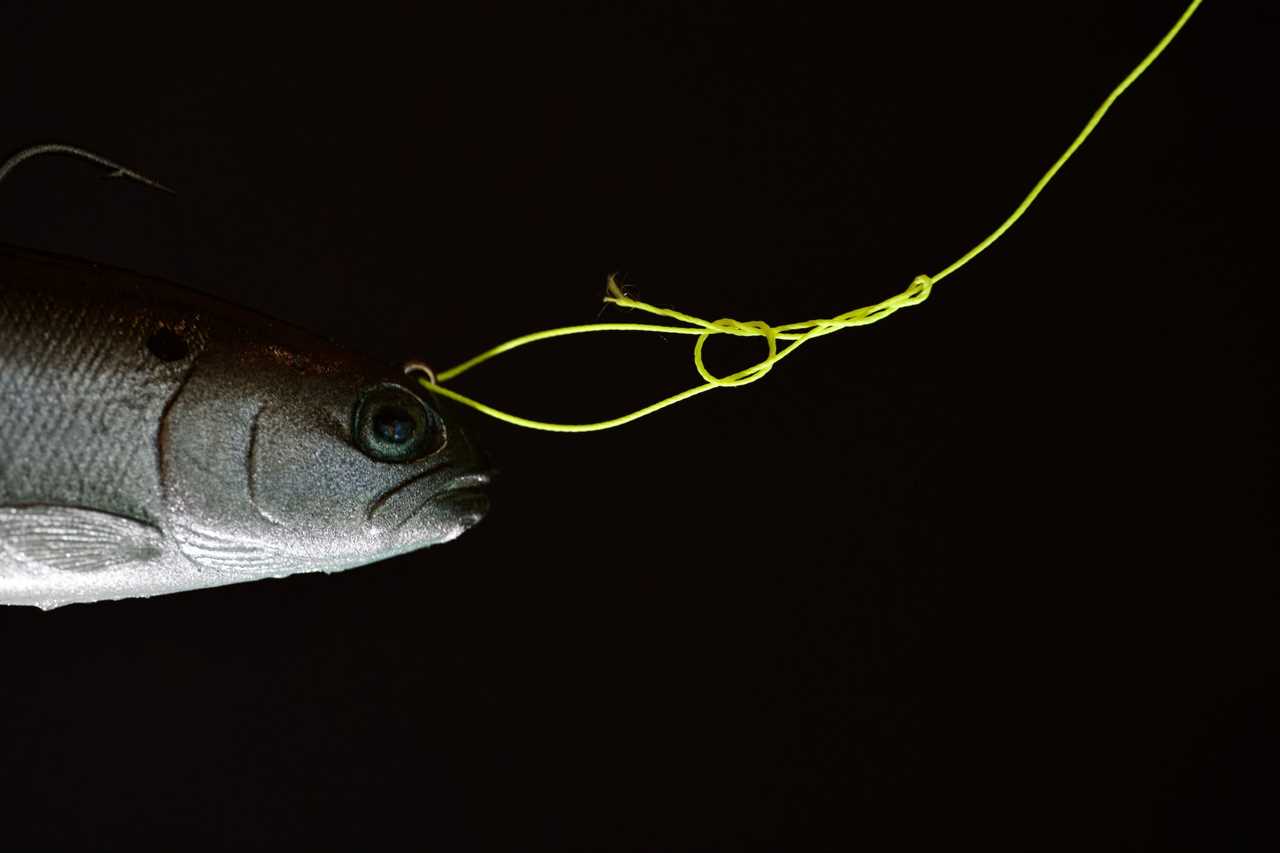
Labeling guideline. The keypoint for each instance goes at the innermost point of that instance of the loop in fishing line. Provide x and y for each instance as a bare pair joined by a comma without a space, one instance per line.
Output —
792,334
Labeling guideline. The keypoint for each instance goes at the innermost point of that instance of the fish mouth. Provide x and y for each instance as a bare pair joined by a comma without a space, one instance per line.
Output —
470,502
463,496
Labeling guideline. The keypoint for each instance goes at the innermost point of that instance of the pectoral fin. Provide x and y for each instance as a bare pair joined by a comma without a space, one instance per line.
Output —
40,539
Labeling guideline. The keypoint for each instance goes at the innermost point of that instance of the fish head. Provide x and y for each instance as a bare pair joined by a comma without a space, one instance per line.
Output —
279,458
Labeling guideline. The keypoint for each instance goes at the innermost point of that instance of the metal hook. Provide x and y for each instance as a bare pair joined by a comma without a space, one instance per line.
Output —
411,367
55,148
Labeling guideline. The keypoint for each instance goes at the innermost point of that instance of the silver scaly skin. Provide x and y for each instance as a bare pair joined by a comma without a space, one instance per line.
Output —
154,440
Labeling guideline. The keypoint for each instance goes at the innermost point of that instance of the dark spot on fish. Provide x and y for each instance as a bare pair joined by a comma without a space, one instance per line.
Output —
167,345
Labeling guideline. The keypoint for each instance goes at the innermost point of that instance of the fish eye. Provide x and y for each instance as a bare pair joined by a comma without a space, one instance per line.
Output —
392,425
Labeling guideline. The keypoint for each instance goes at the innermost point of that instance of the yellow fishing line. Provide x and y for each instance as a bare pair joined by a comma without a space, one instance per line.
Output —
794,334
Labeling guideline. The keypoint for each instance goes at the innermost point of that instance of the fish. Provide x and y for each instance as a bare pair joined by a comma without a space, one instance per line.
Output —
154,439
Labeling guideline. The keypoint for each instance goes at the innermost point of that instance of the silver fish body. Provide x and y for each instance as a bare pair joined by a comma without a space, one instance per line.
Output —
154,440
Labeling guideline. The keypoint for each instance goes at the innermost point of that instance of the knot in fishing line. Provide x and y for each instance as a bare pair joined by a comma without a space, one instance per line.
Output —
752,328
793,334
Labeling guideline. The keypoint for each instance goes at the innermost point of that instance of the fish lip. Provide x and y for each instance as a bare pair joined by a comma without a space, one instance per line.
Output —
472,503
459,488
463,489
381,500
471,481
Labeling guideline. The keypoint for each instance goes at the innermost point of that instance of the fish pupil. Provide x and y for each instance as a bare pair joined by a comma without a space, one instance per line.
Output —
393,424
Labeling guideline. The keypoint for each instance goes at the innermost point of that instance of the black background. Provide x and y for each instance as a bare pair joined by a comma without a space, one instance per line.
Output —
1000,570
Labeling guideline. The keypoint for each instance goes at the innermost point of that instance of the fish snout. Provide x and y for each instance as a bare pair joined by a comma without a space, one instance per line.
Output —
469,494
434,505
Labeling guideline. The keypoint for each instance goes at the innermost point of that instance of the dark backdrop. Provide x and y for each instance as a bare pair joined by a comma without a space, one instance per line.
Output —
1000,570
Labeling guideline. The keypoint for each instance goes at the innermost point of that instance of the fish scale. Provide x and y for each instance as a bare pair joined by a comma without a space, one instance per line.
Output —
234,449
97,401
